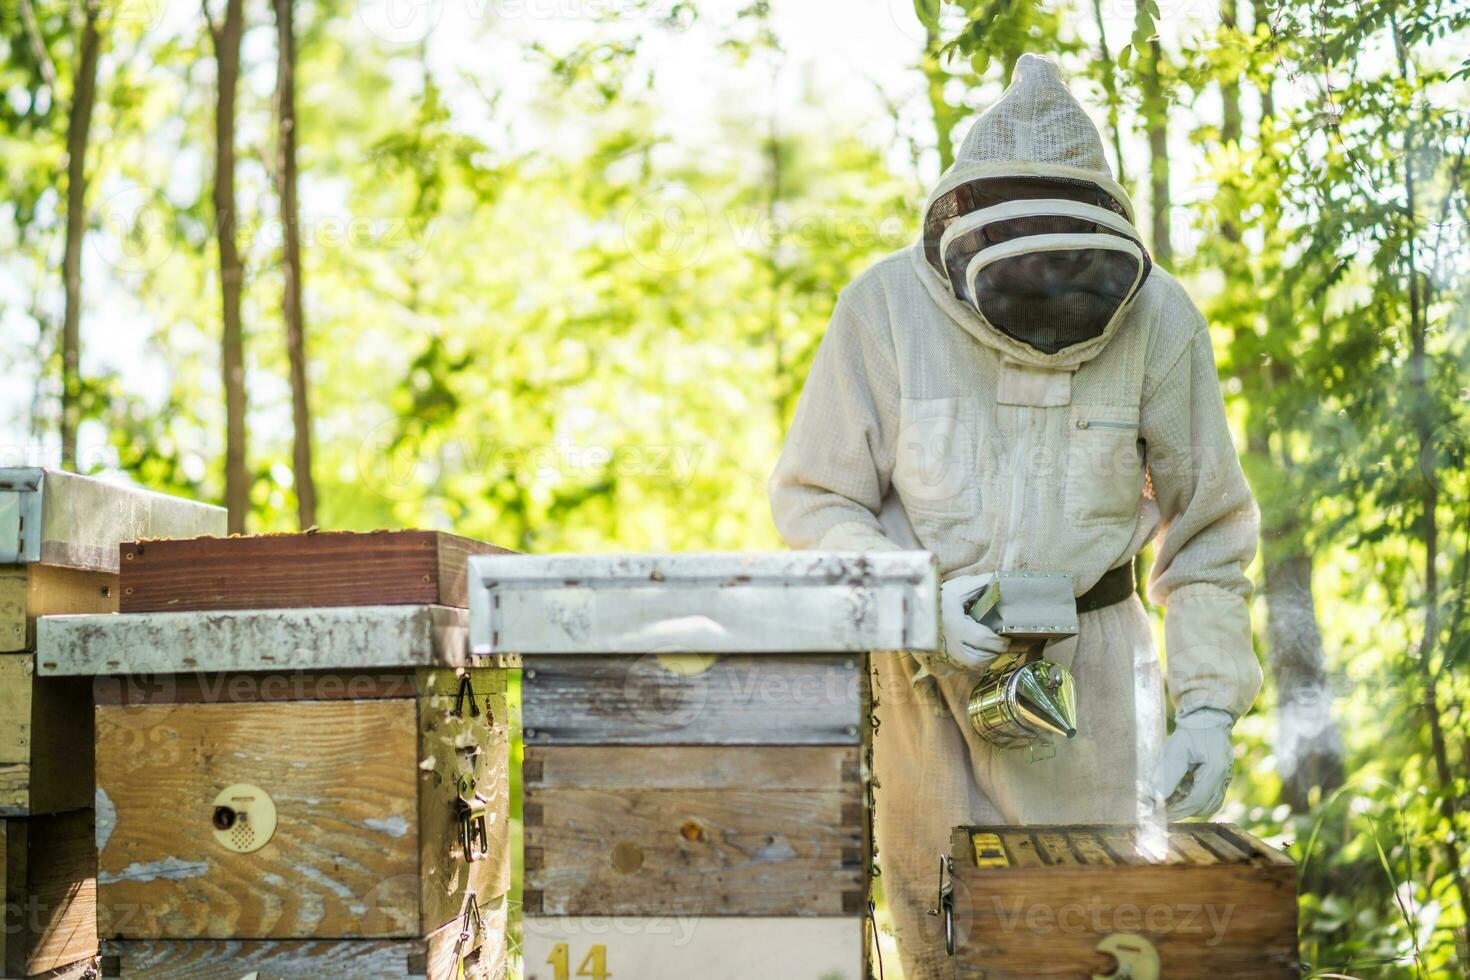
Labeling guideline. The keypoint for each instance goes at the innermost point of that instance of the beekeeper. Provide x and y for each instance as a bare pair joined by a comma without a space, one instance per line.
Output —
1023,390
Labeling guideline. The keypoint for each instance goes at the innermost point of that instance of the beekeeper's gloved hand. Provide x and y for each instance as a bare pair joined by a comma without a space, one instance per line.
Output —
1200,743
967,644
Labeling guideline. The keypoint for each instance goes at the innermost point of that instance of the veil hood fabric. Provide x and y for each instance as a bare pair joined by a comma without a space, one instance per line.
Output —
1035,143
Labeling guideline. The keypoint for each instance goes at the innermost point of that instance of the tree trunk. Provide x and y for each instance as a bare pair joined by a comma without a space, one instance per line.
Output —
1110,90
1230,118
291,264
1156,121
1261,12
1230,114
1308,746
226,38
944,115
78,133
1423,413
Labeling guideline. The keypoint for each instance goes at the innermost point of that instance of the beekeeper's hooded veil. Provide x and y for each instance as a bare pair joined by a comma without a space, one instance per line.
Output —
1020,390
1028,228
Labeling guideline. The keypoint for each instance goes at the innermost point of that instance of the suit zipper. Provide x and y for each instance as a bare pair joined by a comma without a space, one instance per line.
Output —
1018,498
1105,424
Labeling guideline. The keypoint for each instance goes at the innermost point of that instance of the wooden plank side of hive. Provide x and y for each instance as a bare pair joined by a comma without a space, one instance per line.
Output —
1207,915
459,734
720,830
668,947
435,957
50,882
702,699
481,949
332,568
344,859
31,591
46,752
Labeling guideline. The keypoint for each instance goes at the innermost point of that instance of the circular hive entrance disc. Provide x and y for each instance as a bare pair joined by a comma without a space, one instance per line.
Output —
243,818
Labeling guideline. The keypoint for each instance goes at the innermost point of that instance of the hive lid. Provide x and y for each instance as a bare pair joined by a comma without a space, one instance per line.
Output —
55,518
782,602
334,638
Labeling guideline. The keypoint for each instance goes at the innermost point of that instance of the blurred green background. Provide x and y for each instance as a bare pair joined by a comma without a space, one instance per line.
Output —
563,264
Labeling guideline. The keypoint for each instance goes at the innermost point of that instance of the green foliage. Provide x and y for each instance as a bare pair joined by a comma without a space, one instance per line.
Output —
1000,31
541,311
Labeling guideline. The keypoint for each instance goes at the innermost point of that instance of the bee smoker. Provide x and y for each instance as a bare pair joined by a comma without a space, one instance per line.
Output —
1025,700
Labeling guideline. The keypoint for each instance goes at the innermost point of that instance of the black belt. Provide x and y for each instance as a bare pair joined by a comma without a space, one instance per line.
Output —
1116,585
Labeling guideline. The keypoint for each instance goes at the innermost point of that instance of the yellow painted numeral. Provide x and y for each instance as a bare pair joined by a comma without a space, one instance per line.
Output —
593,965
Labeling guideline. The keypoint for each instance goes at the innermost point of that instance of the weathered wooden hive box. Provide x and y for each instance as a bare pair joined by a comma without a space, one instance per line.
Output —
59,536
697,732
1073,902
302,771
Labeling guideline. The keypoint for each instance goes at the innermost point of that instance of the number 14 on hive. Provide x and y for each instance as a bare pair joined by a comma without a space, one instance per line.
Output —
593,965
680,947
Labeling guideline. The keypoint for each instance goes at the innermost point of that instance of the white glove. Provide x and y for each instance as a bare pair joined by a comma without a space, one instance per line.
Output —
1200,744
966,644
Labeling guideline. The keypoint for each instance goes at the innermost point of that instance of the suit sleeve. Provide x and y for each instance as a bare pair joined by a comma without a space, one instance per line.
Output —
1207,535
828,486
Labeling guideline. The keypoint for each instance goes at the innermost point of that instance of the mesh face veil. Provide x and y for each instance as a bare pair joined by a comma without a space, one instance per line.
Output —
1050,272
1028,227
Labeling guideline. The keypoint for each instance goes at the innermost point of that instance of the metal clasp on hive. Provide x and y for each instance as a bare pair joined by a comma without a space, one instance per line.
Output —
474,832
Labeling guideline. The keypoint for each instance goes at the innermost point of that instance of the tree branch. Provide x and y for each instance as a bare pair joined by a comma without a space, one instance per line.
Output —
38,44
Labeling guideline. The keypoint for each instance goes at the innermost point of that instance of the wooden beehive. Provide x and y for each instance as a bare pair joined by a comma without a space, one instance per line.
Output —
1214,904
365,732
48,891
275,571
697,734
365,787
703,947
59,536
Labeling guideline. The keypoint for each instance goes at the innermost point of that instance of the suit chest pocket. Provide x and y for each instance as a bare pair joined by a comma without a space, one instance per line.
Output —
935,459
1104,465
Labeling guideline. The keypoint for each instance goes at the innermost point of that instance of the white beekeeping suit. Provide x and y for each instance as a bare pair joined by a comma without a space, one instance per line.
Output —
972,399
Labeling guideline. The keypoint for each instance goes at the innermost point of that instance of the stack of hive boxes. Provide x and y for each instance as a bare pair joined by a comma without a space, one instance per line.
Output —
304,774
59,536
696,762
